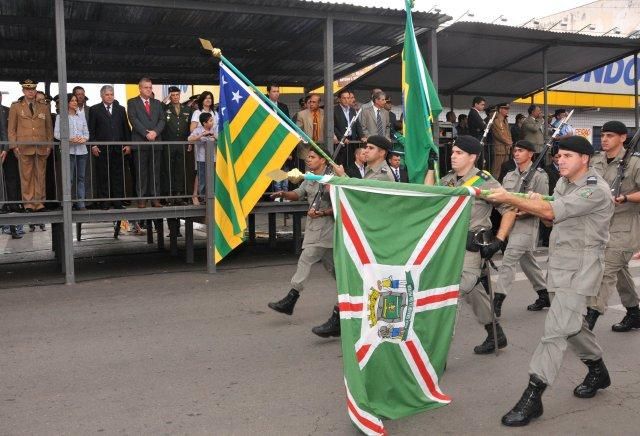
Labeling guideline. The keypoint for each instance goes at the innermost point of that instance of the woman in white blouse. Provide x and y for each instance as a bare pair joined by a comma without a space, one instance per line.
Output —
78,136
205,104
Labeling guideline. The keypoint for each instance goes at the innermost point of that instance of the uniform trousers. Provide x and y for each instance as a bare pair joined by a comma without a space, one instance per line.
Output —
308,257
501,154
564,325
33,169
472,290
616,275
529,265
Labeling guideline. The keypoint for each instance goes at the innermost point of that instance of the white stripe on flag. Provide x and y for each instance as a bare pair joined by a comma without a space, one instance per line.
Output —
350,306
366,422
454,208
354,236
436,298
423,372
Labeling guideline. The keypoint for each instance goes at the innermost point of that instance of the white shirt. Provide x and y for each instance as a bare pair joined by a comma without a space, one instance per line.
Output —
196,117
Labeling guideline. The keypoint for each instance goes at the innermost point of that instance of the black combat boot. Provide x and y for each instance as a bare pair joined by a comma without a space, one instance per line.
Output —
331,327
630,321
498,299
541,302
488,346
597,378
591,317
287,304
529,406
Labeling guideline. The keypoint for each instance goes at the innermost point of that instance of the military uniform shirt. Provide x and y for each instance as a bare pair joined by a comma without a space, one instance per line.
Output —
582,211
525,230
176,127
318,232
481,209
379,172
625,224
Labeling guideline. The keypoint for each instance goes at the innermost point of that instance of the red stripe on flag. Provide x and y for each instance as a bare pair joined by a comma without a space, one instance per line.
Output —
364,421
353,235
424,373
436,298
362,352
438,231
350,307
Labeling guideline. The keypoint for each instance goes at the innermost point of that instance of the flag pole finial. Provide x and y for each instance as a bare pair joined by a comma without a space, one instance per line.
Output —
206,44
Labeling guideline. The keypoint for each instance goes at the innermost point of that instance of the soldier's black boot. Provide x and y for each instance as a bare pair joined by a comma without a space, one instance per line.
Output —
488,346
591,317
287,304
542,301
498,299
597,378
630,321
331,327
529,406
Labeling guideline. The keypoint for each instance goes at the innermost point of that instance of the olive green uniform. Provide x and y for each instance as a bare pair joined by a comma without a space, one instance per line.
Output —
318,236
523,238
624,233
471,288
582,211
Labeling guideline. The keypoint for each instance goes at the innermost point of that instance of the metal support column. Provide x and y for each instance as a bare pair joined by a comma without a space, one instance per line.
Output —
433,70
545,86
328,84
210,206
636,109
61,55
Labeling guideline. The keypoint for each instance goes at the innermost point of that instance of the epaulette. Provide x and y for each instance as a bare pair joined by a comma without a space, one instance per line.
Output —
592,180
484,175
540,170
383,170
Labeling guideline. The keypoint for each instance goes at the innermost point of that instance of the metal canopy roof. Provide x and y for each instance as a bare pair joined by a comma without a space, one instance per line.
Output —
119,41
502,62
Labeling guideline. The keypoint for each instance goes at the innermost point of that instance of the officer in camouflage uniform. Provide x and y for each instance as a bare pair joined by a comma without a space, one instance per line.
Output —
317,245
523,239
464,154
624,228
580,213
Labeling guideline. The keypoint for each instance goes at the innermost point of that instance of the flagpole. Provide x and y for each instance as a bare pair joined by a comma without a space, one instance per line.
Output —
216,52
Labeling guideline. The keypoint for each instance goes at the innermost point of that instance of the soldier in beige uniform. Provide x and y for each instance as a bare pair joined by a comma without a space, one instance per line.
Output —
523,239
624,228
580,213
30,121
464,154
317,245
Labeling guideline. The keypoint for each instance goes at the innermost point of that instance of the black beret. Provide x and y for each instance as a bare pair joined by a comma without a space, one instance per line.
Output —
174,89
614,127
576,143
380,141
469,144
527,145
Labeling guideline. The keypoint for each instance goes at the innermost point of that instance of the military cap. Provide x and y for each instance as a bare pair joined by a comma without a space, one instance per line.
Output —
468,144
614,127
173,89
503,105
527,145
28,84
578,144
379,141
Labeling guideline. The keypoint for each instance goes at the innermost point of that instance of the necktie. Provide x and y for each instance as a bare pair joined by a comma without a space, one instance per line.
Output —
315,134
31,108
396,174
379,124
109,109
147,107
362,171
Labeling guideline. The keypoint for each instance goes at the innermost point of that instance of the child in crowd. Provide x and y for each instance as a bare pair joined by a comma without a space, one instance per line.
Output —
206,131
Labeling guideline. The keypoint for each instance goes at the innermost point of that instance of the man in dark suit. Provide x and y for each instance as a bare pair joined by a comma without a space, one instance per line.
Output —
475,120
359,167
146,116
399,173
343,113
108,122
273,93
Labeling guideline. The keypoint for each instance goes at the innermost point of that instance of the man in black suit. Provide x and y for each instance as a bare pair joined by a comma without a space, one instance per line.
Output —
273,92
475,120
359,167
399,173
343,113
108,122
146,116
